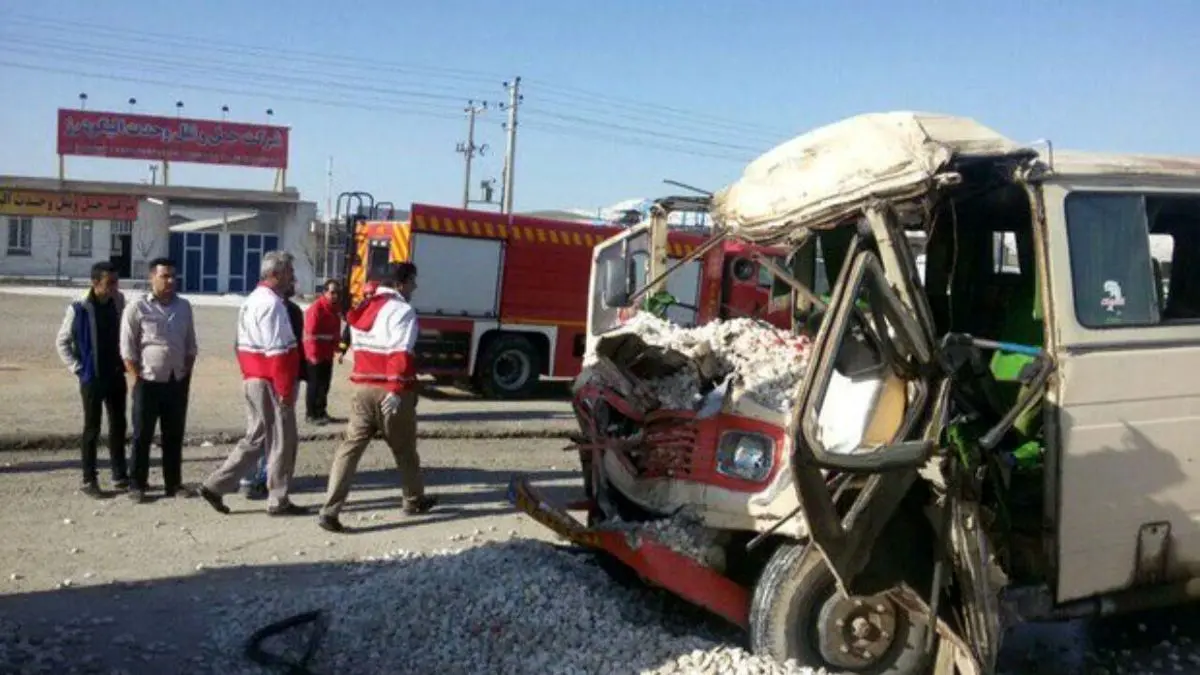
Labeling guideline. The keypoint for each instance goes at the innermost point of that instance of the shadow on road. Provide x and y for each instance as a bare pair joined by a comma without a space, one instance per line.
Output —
494,416
121,626
544,391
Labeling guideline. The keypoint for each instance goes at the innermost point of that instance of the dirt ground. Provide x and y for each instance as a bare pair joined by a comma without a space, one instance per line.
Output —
143,566
39,399
131,583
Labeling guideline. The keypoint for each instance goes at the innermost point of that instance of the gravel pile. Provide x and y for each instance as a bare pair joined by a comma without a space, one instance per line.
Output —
684,533
504,607
767,362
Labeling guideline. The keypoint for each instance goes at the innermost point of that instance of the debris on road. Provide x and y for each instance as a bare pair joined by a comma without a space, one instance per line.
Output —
684,533
767,362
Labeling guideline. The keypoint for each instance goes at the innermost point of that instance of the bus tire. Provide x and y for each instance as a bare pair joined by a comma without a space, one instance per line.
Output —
797,613
509,367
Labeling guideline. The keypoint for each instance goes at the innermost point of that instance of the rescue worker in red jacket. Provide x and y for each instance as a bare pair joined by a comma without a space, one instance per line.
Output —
344,345
269,355
322,326
383,336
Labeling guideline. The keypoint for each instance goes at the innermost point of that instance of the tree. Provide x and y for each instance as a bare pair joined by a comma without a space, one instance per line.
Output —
144,245
58,238
312,252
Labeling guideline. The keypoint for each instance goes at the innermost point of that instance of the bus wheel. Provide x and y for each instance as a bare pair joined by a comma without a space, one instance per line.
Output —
798,613
508,368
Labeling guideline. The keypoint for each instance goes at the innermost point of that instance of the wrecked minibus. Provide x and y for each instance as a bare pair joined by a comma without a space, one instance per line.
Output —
1005,437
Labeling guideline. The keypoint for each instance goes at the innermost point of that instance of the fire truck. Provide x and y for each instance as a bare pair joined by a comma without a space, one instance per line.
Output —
503,299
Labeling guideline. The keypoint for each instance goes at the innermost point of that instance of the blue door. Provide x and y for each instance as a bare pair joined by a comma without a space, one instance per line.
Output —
197,260
245,256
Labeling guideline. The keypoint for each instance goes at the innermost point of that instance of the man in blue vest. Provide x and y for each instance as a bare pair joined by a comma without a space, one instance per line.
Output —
89,344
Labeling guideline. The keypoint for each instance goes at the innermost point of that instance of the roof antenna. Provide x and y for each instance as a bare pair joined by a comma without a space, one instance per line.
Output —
685,186
1049,150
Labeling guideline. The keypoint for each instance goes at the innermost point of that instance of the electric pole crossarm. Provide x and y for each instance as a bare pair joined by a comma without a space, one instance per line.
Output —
510,152
469,149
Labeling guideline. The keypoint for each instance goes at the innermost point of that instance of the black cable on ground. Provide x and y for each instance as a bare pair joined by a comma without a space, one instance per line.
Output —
254,645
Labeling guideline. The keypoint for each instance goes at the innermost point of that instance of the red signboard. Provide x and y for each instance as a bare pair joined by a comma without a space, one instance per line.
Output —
127,136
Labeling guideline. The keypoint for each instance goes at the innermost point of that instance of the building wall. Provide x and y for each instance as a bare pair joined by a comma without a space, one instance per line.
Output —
287,226
297,238
51,236
150,238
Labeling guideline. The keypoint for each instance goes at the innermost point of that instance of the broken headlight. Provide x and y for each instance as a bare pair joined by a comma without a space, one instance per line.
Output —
747,456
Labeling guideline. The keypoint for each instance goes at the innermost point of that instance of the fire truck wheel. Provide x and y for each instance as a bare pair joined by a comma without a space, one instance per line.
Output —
797,613
508,368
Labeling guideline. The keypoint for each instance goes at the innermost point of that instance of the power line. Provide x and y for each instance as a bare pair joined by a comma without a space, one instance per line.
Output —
36,47
333,103
219,71
658,117
641,144
570,93
388,98
344,103
242,50
621,127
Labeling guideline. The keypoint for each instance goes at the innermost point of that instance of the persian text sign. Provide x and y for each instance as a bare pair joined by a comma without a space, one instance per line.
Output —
126,136
73,205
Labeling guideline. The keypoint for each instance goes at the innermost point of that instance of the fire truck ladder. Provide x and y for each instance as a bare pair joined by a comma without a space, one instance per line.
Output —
358,207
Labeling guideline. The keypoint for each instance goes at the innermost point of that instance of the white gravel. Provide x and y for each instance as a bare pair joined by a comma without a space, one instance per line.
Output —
684,533
766,362
514,607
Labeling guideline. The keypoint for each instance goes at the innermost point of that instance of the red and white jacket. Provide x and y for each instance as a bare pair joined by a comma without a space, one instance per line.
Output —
383,333
322,327
267,348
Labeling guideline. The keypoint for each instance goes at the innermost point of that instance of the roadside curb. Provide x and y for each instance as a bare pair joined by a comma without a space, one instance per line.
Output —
15,442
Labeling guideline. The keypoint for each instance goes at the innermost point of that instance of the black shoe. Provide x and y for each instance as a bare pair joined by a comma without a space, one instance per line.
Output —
419,505
214,500
330,524
287,509
138,496
121,484
317,421
91,489
257,491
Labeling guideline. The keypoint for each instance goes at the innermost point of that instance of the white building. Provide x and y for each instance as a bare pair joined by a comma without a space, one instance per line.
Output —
213,255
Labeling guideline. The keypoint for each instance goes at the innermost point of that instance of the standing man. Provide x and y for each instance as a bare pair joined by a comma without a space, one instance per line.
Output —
322,325
89,343
256,485
383,334
269,355
158,345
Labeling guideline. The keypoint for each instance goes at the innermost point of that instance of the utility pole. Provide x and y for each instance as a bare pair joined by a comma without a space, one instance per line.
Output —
328,219
469,148
510,151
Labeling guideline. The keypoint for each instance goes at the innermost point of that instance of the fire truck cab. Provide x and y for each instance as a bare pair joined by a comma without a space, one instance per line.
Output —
503,299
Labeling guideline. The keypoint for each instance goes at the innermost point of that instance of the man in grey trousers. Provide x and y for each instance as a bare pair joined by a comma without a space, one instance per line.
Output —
268,351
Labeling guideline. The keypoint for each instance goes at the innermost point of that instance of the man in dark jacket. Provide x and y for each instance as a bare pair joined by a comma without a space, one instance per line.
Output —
257,488
89,344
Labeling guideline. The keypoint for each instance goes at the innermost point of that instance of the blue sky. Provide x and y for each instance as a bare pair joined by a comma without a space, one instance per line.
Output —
618,95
